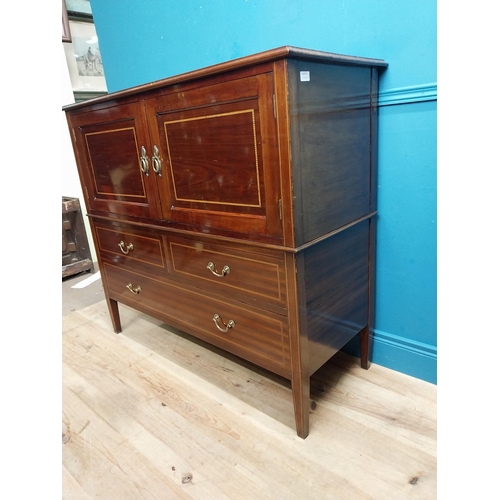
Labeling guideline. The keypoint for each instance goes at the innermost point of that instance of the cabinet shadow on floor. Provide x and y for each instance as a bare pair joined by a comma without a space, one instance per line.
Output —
238,377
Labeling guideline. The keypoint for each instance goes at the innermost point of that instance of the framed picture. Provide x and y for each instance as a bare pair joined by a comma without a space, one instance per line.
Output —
84,59
79,10
66,34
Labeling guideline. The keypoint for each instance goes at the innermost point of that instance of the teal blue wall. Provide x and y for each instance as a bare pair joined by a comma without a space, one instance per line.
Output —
146,40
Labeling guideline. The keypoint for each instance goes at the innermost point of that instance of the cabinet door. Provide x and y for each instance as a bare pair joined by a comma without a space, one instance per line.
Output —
114,159
218,147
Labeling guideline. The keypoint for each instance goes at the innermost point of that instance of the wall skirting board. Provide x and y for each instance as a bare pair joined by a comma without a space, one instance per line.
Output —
410,94
401,354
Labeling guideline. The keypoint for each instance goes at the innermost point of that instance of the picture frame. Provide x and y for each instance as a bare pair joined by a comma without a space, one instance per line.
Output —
79,10
66,33
86,95
84,60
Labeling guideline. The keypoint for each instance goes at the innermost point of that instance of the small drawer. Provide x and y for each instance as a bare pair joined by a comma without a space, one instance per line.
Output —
130,246
230,269
251,333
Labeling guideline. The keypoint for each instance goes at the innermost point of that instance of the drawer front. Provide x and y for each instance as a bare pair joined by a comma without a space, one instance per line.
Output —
133,247
251,333
232,270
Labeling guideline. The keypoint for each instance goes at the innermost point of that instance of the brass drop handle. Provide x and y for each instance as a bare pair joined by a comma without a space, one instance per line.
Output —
156,161
230,323
134,289
125,249
225,270
144,161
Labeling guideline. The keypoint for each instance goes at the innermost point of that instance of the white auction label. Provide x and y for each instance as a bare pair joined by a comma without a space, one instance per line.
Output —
305,76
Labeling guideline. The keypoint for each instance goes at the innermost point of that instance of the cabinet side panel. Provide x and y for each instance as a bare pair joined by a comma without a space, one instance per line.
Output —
336,278
330,111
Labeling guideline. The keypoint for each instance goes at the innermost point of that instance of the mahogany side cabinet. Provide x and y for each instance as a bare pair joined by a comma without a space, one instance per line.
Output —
238,203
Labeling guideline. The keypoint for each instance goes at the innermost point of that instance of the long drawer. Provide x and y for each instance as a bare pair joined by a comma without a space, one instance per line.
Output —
140,249
254,334
230,269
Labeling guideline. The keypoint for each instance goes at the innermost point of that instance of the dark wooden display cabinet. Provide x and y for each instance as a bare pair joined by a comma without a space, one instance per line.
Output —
76,256
238,203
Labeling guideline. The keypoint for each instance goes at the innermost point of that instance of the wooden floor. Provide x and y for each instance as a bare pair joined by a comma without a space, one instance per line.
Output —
154,414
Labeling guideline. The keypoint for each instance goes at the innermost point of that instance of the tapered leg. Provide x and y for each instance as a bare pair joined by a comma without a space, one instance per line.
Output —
365,344
301,403
366,334
115,315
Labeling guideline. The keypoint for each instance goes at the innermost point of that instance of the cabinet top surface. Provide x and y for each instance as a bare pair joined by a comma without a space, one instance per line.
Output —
285,52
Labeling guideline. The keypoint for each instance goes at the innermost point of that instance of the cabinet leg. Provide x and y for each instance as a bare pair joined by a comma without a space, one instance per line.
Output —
365,347
115,315
366,334
301,403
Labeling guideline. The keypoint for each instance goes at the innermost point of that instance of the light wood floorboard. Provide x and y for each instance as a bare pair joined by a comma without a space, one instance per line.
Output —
154,414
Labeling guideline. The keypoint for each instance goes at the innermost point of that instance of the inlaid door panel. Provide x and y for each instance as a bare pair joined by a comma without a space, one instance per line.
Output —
113,148
219,155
